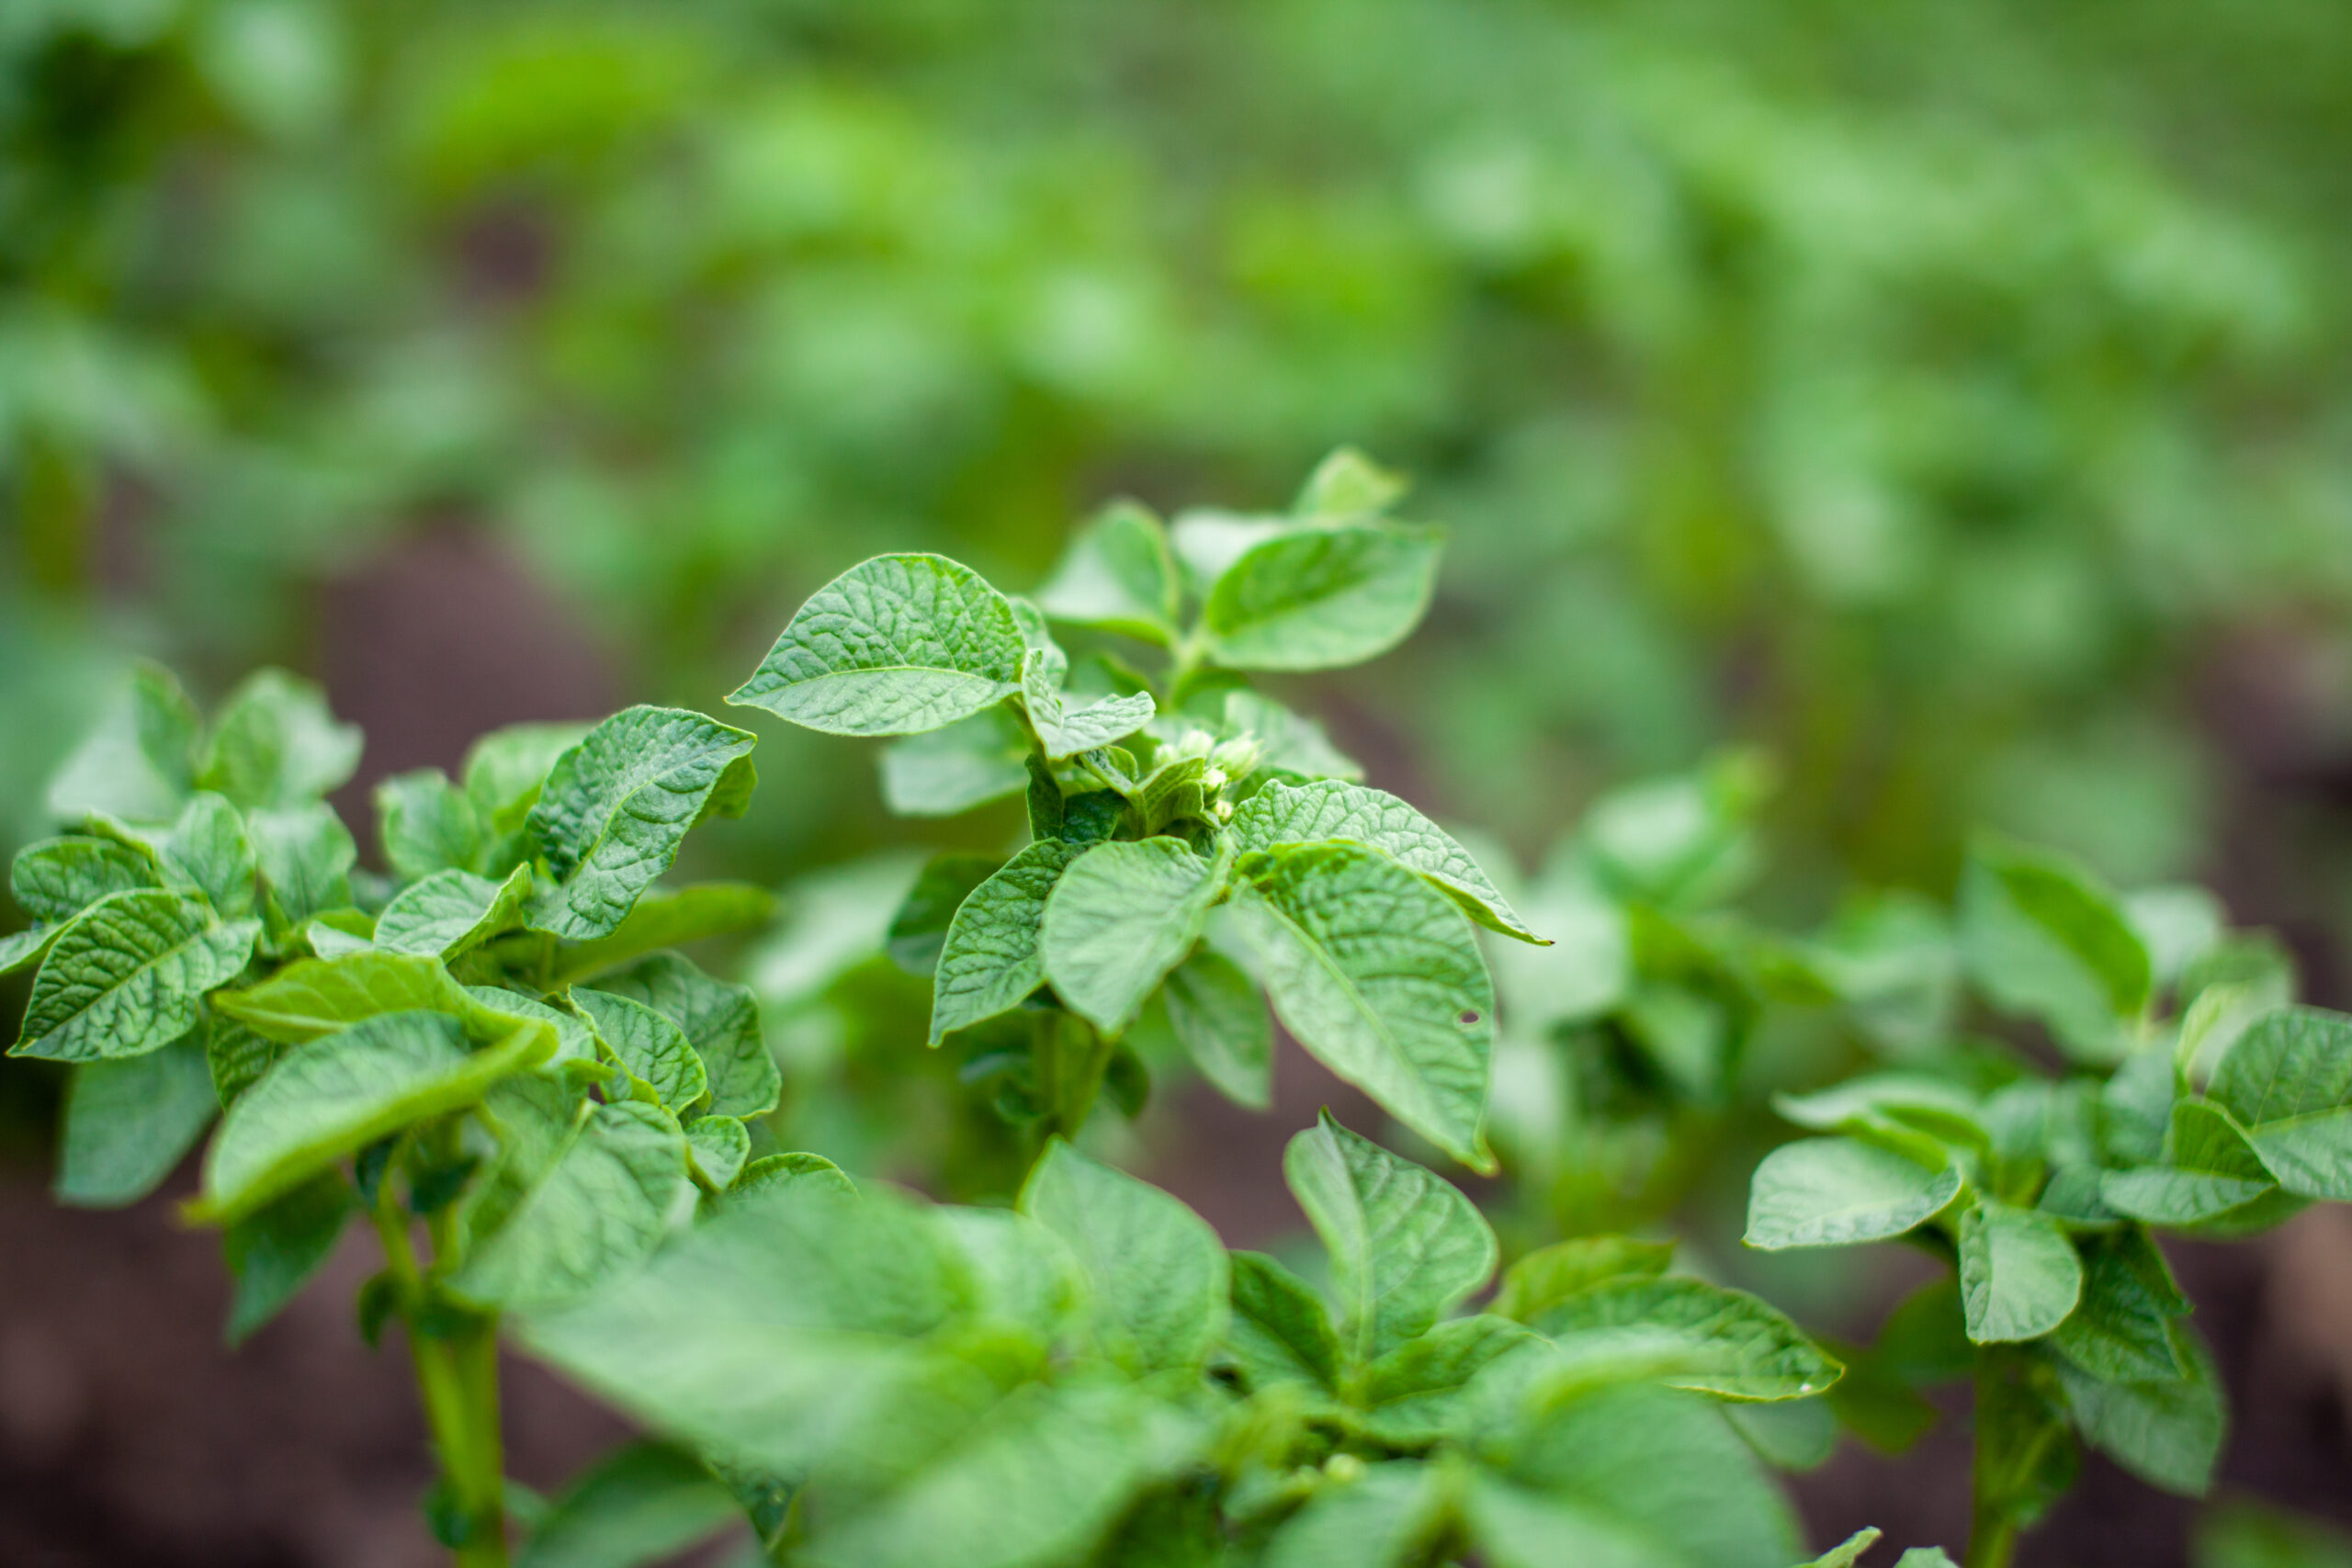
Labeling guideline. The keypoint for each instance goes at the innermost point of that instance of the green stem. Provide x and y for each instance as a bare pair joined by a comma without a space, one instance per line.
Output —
457,1380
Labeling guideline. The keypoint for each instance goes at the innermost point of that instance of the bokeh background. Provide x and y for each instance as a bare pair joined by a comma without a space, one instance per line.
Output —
1950,401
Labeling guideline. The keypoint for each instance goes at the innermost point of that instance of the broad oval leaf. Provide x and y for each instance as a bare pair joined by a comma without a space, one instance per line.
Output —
274,1251
275,745
1728,1343
127,1121
2166,1431
2018,1274
139,761
1420,1392
427,824
1158,1273
650,1047
992,959
722,1021
127,975
58,878
450,911
719,1148
1121,916
643,1503
341,1093
1319,597
618,805
1333,809
208,848
305,854
1388,1516
1214,1012
1118,575
1280,1331
2042,939
1841,1191
322,996
894,646
1405,1246
2209,1170
1550,1275
1378,975
601,1205
2287,1082
1063,732
2122,1329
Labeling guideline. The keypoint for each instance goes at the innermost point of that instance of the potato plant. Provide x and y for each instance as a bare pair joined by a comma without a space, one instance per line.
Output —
558,1127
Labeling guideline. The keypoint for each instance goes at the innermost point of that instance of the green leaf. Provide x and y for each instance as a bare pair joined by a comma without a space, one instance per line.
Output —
341,1093
275,745
718,1146
321,995
1726,1343
1319,597
1117,576
1020,1272
918,933
2042,939
139,761
668,918
991,960
1552,1274
1210,1009
1925,1557
1386,1517
617,806
2287,1082
208,846
804,1304
1041,1477
2122,1331
128,1123
2018,1274
2210,1170
944,772
894,646
1064,731
599,1206
58,878
305,854
274,1252
1158,1276
722,1021
127,975
22,950
641,1504
649,1045
506,769
1848,1553
1280,815
1348,484
2167,1432
1631,1476
1121,916
1406,1247
427,824
450,911
234,1057
1378,975
2240,1534
1418,1392
1280,1331
575,1039
1841,1191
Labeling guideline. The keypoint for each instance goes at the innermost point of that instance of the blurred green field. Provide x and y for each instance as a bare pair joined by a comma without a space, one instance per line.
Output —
1950,399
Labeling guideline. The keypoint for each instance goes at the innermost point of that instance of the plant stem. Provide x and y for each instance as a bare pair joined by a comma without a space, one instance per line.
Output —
457,1380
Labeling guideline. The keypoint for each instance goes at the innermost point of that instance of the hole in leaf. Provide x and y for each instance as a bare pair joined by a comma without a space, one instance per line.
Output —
1469,1017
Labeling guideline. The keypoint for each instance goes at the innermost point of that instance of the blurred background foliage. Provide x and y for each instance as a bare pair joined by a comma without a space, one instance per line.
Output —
1877,421
1950,398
